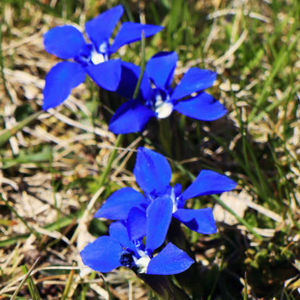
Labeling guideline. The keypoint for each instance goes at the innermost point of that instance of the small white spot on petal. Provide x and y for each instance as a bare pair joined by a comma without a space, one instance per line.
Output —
173,201
103,47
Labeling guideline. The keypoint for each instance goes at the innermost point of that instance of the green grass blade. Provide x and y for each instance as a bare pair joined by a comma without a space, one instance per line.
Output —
2,68
24,280
224,205
68,285
6,134
33,291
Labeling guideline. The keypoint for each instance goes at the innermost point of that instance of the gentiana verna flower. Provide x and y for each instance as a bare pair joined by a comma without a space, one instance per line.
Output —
124,247
159,99
153,174
67,42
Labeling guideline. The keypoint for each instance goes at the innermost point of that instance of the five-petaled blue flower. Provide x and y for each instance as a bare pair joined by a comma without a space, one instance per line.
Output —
124,247
162,201
67,42
158,99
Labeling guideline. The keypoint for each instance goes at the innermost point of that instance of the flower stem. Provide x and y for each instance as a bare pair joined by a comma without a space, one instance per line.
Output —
143,64
111,158
163,287
165,136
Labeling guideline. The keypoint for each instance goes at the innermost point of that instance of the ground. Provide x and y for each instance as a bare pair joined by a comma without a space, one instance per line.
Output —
57,167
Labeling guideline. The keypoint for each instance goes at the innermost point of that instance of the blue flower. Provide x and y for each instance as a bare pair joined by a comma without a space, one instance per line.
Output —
158,98
67,42
124,247
162,201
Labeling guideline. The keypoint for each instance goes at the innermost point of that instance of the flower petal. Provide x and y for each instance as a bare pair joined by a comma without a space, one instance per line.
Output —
118,205
132,32
64,41
102,255
152,171
194,80
136,223
129,78
60,81
207,183
161,67
202,107
131,116
159,216
171,260
101,27
119,233
106,74
199,220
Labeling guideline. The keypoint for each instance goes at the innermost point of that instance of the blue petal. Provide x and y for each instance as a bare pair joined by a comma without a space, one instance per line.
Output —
159,216
207,183
152,171
161,67
84,56
171,260
129,78
101,28
64,41
60,81
199,220
131,116
136,223
118,205
177,189
106,74
194,80
119,233
102,255
132,32
202,107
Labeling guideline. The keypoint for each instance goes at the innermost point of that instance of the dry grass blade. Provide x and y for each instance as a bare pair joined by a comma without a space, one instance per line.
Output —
228,12
229,53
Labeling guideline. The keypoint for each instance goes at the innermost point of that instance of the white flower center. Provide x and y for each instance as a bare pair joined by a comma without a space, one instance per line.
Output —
97,58
142,263
162,108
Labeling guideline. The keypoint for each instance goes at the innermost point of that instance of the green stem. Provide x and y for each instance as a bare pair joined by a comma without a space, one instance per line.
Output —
143,64
178,238
6,134
111,158
120,137
2,69
241,220
165,136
